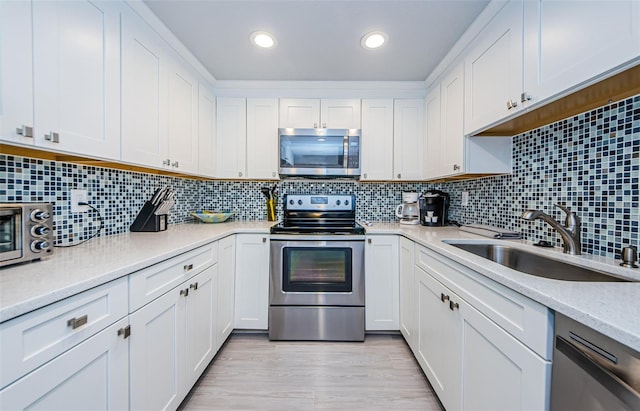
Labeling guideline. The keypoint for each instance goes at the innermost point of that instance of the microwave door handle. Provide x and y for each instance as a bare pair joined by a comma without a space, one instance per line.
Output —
345,159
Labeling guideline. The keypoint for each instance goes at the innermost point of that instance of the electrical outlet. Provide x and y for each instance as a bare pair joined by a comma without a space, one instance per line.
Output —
465,198
79,196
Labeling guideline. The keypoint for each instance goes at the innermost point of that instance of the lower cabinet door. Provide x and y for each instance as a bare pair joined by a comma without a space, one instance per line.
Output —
200,317
157,353
439,338
498,371
94,375
226,287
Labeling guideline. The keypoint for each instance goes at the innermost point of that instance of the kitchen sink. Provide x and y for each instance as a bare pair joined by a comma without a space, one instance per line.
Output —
535,264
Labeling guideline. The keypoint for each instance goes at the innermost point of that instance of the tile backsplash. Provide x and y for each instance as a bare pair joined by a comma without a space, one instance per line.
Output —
589,162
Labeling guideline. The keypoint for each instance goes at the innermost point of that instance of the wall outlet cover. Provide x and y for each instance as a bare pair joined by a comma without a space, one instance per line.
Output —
465,198
79,196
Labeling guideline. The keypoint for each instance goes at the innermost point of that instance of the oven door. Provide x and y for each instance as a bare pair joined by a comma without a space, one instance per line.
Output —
317,270
10,233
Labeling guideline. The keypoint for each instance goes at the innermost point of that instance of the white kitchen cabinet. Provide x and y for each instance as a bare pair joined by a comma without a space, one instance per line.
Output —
92,375
408,310
432,158
376,155
493,70
231,137
408,139
172,342
569,42
252,282
452,123
314,113
145,73
183,118
381,283
206,131
262,138
75,104
487,350
16,81
226,288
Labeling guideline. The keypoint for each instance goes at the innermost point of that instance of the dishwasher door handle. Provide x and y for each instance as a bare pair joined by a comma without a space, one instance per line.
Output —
606,378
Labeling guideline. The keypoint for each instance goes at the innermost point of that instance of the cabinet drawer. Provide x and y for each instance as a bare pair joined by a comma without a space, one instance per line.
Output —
528,321
37,337
150,283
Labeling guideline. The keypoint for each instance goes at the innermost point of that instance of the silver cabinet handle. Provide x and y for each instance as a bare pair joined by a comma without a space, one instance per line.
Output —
264,239
524,97
511,104
443,297
53,137
77,322
194,286
315,125
365,175
273,174
166,162
175,164
184,292
456,167
453,306
188,267
125,332
25,131
324,125
369,240
399,175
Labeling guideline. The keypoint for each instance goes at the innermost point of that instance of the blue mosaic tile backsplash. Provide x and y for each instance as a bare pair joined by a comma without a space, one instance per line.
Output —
589,162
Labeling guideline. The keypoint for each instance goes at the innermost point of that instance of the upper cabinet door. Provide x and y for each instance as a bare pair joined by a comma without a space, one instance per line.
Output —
493,70
433,147
262,138
183,115
377,139
206,132
144,95
408,139
452,123
231,137
572,41
340,113
16,81
299,113
77,76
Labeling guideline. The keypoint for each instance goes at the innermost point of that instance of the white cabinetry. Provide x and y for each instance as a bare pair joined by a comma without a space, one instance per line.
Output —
262,138
77,94
314,113
570,42
226,288
408,139
231,137
376,154
252,282
68,355
183,118
481,345
381,283
408,326
206,132
173,333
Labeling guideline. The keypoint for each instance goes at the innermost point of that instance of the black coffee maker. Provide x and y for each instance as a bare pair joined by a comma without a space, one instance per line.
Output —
434,208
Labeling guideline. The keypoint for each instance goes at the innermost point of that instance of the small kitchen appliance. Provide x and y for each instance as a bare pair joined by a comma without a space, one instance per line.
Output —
434,208
408,212
316,285
26,232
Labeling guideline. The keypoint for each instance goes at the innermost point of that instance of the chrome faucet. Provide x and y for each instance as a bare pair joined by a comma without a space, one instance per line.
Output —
570,232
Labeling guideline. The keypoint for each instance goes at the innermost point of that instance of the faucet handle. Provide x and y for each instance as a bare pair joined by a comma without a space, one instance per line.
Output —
564,208
572,221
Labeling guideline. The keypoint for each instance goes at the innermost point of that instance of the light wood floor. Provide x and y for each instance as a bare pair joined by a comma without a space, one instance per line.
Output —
253,373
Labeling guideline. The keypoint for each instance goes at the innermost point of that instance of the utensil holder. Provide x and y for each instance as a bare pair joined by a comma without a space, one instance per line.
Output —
148,221
271,210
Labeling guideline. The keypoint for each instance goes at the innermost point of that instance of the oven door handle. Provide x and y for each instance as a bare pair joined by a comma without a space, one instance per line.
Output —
607,379
312,237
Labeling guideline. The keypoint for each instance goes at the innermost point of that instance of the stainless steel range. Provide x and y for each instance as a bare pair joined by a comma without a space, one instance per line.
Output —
316,289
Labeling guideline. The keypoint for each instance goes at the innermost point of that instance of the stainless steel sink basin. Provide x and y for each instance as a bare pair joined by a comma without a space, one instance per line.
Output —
535,264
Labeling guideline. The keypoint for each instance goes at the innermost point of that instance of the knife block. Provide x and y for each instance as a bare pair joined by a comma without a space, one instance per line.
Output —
148,221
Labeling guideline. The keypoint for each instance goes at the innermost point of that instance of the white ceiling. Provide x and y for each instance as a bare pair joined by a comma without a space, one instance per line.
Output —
318,39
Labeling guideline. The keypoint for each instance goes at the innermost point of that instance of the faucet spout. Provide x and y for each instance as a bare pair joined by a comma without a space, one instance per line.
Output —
570,232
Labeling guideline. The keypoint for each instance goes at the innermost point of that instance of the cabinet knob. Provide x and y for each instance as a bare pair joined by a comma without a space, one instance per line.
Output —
125,332
524,97
273,174
239,173
53,137
184,292
369,240
315,125
188,267
175,164
264,239
194,286
443,297
399,175
324,125
77,322
25,131
456,167
166,162
511,104
365,175
453,306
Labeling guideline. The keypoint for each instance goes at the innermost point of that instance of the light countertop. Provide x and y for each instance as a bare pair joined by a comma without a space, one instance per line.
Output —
611,308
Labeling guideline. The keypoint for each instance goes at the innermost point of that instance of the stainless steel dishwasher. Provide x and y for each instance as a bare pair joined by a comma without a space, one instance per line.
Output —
592,371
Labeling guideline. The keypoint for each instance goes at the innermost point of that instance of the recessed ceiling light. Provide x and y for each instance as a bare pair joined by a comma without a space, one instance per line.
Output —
374,39
263,39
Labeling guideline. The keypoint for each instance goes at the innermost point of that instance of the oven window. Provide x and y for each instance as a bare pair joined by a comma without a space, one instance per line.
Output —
316,269
8,232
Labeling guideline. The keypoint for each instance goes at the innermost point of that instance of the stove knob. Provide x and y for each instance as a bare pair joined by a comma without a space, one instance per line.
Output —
299,202
39,230
291,202
338,202
39,245
346,202
39,215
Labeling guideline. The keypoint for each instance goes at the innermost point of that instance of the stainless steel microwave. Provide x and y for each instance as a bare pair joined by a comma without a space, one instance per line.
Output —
26,232
319,152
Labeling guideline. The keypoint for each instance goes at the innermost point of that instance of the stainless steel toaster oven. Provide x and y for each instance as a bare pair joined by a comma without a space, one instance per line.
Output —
26,232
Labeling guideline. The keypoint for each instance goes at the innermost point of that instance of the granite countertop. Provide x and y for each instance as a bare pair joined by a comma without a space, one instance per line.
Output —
611,308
